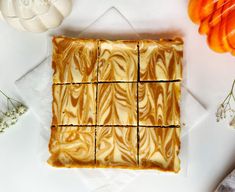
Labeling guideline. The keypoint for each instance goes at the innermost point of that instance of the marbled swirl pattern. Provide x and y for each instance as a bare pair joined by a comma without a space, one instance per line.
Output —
159,148
159,104
95,121
118,61
74,104
72,147
74,60
116,147
161,60
117,104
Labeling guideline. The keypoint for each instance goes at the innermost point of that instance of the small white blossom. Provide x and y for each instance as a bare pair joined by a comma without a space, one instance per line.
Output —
21,109
8,114
13,121
11,116
227,108
3,126
8,121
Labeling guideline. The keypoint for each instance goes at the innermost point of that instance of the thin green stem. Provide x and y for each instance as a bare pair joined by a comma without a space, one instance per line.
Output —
12,103
226,107
233,86
230,94
8,108
232,90
3,93
9,99
14,100
226,99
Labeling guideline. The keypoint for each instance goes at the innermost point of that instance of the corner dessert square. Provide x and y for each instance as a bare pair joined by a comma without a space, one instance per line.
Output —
116,147
72,146
159,103
74,104
159,148
74,60
118,61
117,104
161,60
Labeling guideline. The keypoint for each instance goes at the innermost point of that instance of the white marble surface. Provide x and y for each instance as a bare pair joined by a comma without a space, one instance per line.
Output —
208,76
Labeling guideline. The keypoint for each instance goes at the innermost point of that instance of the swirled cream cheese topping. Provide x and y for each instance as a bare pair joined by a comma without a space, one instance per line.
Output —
72,146
118,60
117,104
74,104
159,104
161,60
116,147
74,61
159,148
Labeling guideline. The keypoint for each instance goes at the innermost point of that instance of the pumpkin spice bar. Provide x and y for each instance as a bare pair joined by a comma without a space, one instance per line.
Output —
74,104
159,148
116,147
72,146
117,104
74,60
118,61
159,103
161,60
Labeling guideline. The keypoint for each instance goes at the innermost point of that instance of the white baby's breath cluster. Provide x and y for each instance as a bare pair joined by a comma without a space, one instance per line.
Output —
15,109
227,108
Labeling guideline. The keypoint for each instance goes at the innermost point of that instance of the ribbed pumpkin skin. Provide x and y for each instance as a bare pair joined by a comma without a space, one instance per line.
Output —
35,15
216,19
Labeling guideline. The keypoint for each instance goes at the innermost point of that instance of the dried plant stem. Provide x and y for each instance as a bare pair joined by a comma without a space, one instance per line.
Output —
230,95
227,105
9,99
14,110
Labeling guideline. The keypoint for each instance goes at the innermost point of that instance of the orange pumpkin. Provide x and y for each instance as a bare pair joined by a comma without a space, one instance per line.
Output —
217,20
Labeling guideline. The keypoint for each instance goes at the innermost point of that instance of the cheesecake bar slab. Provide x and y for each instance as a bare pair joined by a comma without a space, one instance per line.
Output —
159,148
159,103
74,60
117,104
74,104
118,61
161,60
72,146
116,147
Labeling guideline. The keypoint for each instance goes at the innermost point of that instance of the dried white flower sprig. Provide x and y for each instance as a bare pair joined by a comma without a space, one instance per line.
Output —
14,110
227,108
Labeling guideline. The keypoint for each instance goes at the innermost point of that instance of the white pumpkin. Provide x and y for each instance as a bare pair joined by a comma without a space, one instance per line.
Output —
35,15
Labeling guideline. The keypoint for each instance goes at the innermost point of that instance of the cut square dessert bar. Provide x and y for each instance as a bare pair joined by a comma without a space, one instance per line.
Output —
116,147
161,60
72,146
118,61
159,104
117,104
74,104
159,148
74,61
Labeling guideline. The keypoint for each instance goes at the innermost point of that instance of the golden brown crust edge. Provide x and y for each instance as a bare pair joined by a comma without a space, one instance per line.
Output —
112,167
